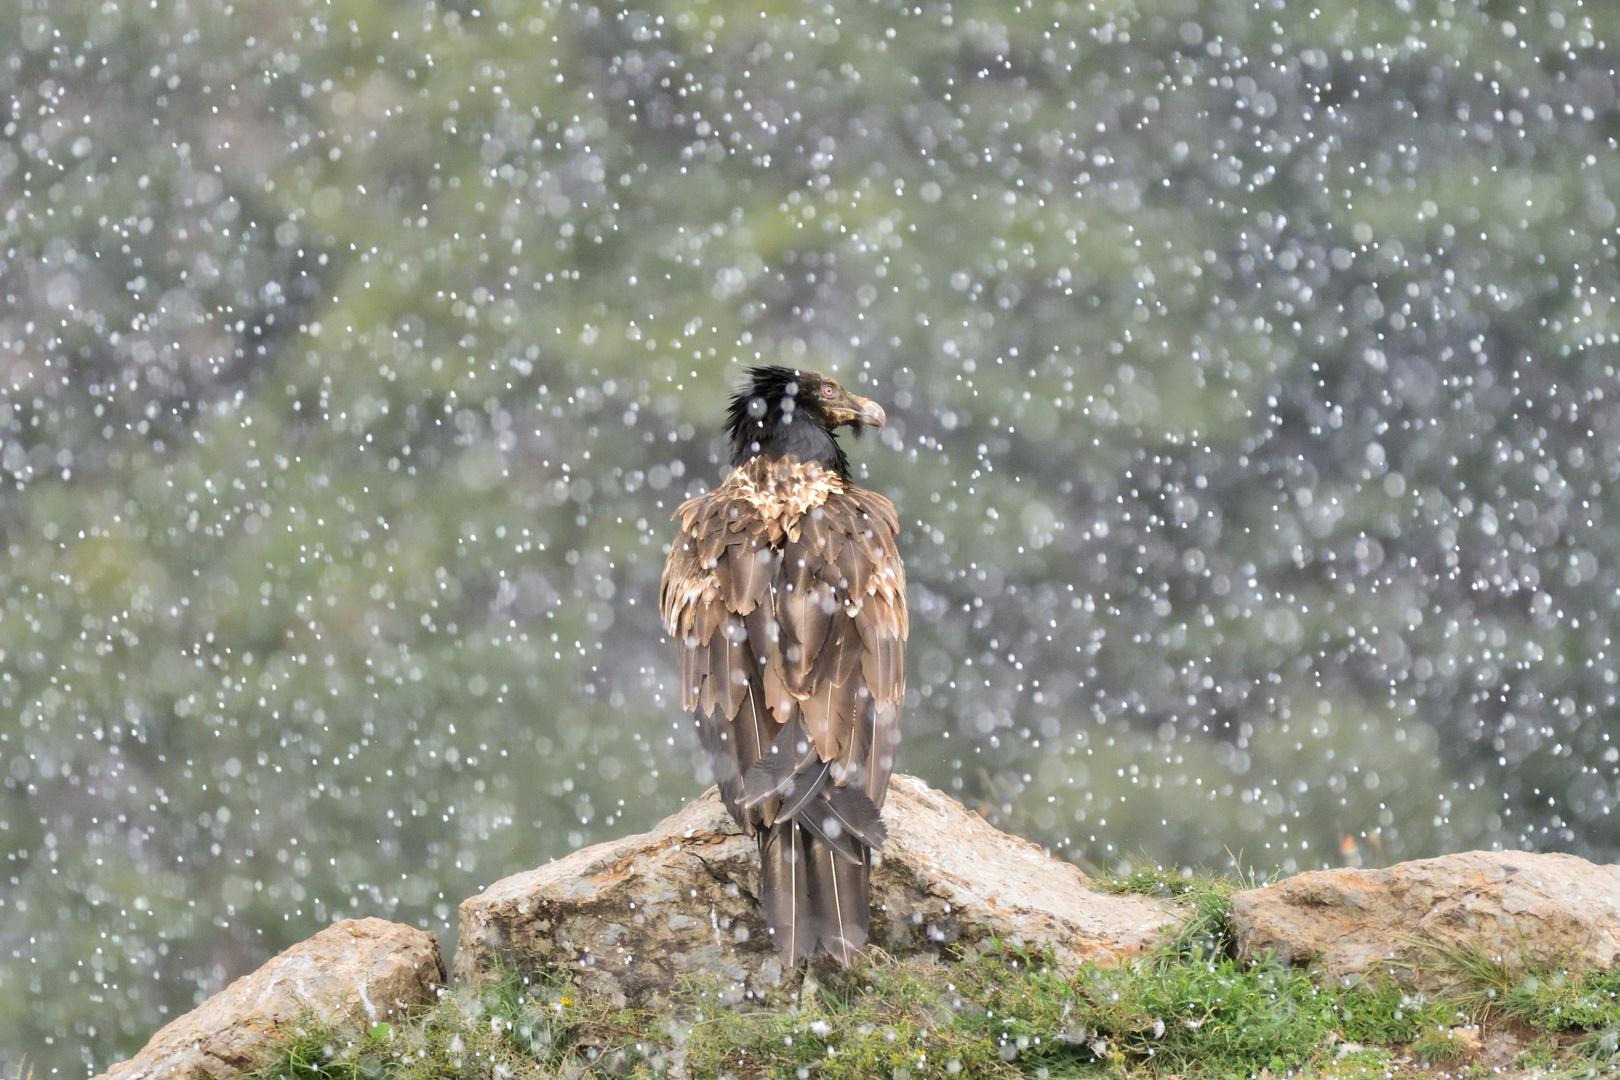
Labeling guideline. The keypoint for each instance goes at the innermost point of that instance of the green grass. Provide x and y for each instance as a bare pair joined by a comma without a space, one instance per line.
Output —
1207,933
1191,1010
1438,1046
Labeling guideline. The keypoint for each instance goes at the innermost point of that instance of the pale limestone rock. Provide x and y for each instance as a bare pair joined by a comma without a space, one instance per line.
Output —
1516,908
631,916
367,969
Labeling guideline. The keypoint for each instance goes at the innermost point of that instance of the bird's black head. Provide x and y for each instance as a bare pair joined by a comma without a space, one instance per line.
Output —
784,412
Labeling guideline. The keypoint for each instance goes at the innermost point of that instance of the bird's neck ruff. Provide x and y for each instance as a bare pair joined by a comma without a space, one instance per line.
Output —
782,490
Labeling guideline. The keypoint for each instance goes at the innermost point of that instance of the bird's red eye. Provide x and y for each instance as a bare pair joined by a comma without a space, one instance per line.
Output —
827,391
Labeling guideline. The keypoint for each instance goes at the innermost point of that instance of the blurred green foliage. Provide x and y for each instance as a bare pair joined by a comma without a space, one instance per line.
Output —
1251,375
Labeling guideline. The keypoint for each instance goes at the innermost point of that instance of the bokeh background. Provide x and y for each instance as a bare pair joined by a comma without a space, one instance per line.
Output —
1251,374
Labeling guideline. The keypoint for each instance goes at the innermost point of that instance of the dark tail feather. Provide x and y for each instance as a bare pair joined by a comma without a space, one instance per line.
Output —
814,898
785,891
823,826
779,767
857,815
839,905
807,784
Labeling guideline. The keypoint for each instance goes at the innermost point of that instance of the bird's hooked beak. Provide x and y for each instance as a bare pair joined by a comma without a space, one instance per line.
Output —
868,413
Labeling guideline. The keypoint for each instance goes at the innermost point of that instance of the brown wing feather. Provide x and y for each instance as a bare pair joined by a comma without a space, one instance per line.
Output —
829,712
778,699
806,602
729,668
750,564
884,624
718,573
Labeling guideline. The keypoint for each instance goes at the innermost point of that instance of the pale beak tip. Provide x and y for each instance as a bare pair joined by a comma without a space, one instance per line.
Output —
872,414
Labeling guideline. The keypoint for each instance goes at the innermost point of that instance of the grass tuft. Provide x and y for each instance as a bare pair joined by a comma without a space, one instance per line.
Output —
1437,1046
1207,933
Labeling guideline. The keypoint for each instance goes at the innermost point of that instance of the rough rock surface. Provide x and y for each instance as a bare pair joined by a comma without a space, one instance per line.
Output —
367,966
633,915
1517,908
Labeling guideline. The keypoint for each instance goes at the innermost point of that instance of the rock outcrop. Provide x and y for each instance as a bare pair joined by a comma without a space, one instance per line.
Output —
368,968
1514,908
630,919
632,916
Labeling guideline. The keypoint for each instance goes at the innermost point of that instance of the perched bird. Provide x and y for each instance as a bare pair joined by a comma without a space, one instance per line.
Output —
785,595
